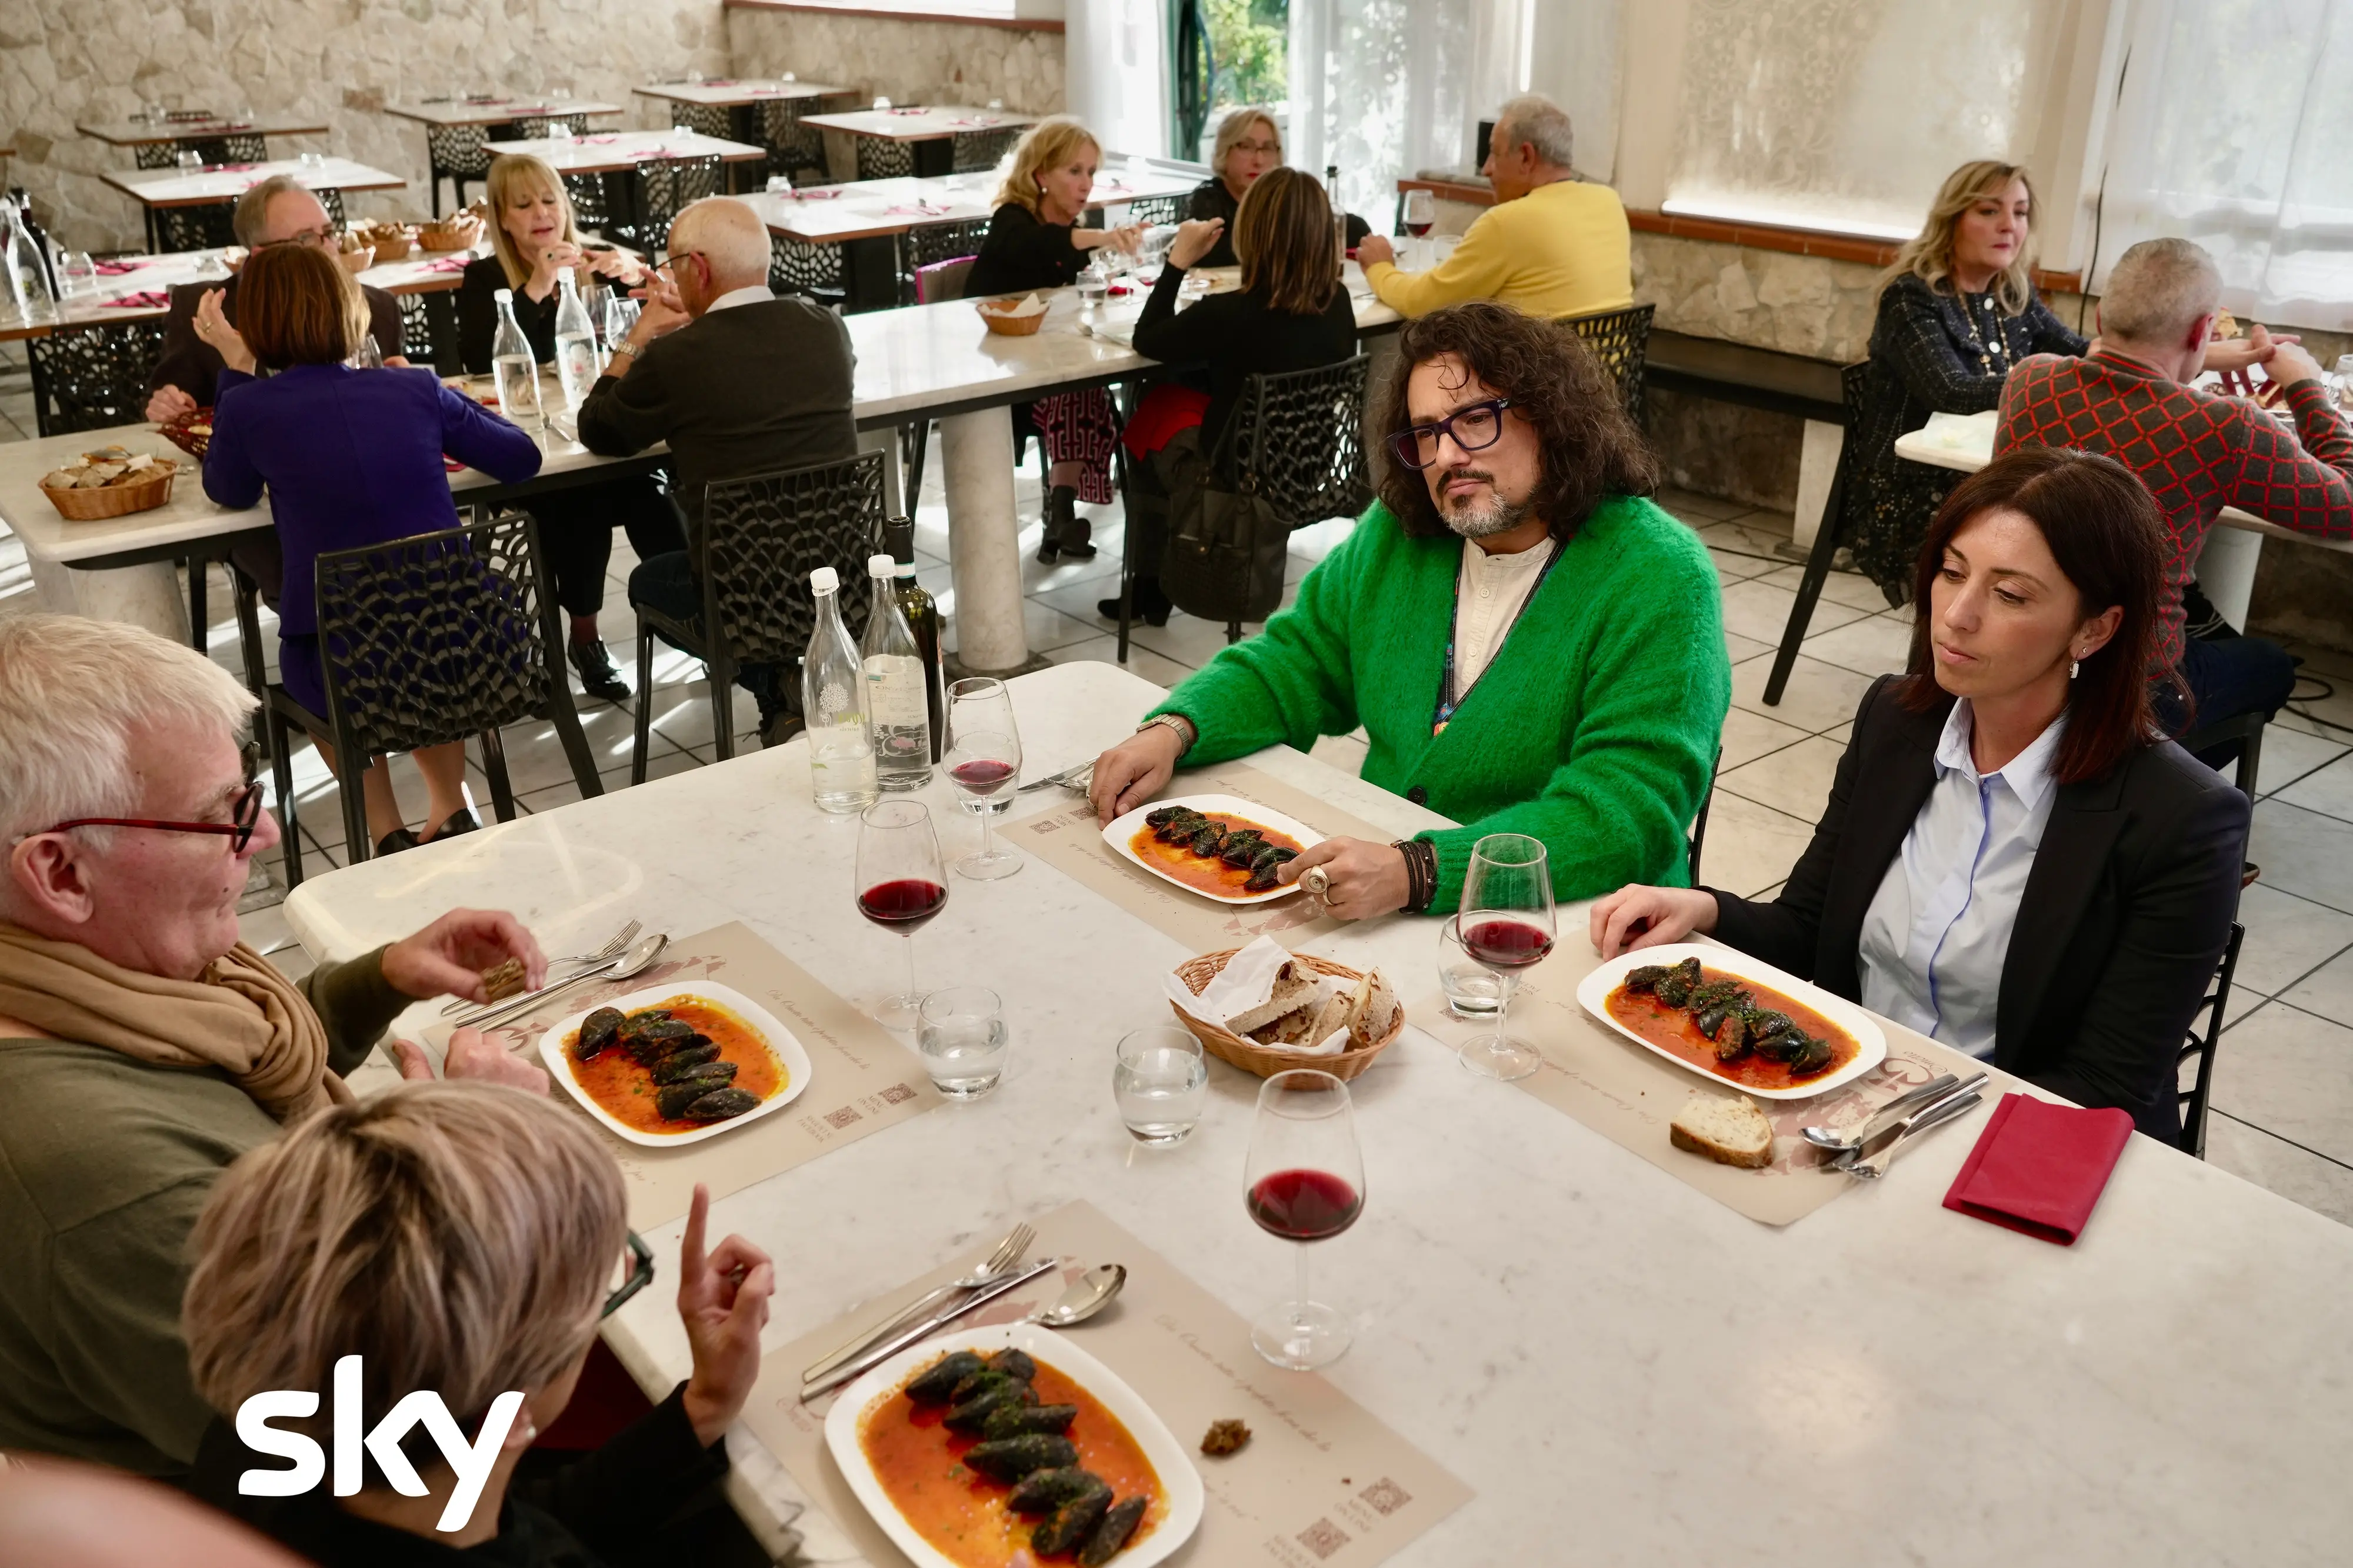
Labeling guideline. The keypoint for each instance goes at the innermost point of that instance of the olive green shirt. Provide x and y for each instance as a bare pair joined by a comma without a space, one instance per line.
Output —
105,1163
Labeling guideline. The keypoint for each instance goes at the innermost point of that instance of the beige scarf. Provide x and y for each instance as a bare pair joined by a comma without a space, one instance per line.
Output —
242,1017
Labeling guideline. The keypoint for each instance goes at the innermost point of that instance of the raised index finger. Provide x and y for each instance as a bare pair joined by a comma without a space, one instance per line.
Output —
690,1247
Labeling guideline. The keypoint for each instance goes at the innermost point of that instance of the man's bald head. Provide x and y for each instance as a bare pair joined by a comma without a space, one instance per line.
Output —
730,238
2156,291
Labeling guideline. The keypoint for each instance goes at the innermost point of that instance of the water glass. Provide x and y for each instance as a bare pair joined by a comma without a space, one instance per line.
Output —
76,273
1472,990
1094,281
880,104
369,355
1160,1080
189,161
961,1034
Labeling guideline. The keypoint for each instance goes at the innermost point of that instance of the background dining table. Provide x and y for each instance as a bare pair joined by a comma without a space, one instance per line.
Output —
613,152
419,272
1623,1369
213,128
735,92
496,111
185,188
930,130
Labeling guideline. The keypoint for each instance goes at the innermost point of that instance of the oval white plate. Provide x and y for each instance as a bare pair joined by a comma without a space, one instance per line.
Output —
1594,993
1180,1484
1119,832
556,1038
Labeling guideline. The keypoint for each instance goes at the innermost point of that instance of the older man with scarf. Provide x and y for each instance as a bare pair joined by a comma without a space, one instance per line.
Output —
142,1045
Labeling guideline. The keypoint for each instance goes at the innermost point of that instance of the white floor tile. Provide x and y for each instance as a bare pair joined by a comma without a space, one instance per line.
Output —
1850,588
1750,847
1873,645
1748,736
1819,696
2287,938
2290,1073
2305,853
2298,1174
1758,609
2327,789
1795,781
2290,754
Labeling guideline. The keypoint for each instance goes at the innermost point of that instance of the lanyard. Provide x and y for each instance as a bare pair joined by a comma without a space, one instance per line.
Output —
1448,701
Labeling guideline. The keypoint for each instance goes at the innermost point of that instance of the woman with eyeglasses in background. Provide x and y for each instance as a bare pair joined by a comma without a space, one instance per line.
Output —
464,1240
1249,144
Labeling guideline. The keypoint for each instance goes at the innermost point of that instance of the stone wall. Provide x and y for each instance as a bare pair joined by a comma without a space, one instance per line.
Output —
907,62
67,60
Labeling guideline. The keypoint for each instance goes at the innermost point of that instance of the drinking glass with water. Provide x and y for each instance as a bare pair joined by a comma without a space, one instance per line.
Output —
1471,987
1160,1080
961,1034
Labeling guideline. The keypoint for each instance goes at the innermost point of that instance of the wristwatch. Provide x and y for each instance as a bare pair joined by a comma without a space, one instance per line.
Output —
1186,731
628,348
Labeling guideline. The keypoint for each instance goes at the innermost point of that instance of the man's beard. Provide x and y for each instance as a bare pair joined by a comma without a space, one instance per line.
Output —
1484,520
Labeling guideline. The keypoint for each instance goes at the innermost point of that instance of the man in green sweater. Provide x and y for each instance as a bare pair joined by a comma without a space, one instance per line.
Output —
142,1047
1530,646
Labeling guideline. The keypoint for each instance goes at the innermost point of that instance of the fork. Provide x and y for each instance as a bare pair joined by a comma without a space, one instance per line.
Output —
1009,1252
1870,1170
609,951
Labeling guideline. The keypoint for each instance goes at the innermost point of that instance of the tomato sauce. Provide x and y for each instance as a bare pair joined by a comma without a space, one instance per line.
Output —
962,1513
626,1091
1673,1029
1207,872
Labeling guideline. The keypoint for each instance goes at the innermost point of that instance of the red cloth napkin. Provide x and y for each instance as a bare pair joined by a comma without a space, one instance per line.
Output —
146,300
2039,1168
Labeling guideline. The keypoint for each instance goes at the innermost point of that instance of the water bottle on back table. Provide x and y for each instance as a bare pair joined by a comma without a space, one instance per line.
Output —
577,362
833,704
515,368
898,700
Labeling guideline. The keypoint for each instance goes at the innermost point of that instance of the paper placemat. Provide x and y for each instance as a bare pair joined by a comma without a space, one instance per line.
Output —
1629,1095
1071,840
1322,1483
862,1079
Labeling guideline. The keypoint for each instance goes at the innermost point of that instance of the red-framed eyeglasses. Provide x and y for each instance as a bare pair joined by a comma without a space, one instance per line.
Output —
245,815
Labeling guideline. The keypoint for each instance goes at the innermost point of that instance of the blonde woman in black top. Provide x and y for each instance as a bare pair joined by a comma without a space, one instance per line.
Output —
1291,313
533,238
1035,242
1249,144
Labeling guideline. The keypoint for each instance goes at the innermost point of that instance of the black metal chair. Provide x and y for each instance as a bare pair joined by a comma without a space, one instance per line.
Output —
661,189
976,151
1157,210
424,641
459,153
206,227
762,536
2247,729
794,149
932,243
92,378
1699,823
1620,339
702,119
590,212
796,266
1297,439
1829,534
2201,1046
211,149
428,331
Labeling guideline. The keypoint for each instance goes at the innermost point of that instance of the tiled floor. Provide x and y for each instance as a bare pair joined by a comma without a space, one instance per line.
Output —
2282,1090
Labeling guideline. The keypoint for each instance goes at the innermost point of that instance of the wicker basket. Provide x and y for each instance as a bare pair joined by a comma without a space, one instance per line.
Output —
1007,325
181,433
1265,1061
357,261
114,501
456,236
392,243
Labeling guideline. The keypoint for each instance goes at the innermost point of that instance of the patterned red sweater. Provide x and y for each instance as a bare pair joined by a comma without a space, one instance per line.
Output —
2198,453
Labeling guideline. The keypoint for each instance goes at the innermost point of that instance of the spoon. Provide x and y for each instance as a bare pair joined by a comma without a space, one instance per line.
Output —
632,962
1091,1294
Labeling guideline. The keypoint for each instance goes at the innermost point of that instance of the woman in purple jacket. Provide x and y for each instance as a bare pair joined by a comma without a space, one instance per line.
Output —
350,458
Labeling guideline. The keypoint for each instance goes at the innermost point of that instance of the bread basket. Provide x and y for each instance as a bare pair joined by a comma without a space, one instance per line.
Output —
1006,324
393,242
1265,1061
357,261
96,505
451,235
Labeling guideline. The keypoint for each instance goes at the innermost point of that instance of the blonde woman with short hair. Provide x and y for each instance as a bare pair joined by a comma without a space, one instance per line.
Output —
1249,144
1035,242
1956,309
463,1241
534,240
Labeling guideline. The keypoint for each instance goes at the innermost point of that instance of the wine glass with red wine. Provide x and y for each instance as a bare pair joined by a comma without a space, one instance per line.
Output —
1421,213
1305,1183
900,886
1506,926
983,759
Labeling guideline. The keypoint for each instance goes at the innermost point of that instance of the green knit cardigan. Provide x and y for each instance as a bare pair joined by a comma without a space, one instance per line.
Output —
1594,729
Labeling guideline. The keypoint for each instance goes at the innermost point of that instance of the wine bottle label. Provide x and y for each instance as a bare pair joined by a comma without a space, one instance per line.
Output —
895,696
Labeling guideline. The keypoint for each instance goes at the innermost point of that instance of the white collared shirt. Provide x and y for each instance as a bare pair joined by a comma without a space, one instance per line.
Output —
1488,594
1938,931
750,294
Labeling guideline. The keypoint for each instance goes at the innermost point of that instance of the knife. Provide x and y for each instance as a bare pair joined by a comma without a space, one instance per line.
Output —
867,1361
1916,1119
1948,1110
1928,1097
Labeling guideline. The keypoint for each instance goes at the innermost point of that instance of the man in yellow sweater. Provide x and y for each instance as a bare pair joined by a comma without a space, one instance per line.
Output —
1553,245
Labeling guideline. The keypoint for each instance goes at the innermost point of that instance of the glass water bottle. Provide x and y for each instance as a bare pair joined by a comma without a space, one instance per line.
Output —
833,703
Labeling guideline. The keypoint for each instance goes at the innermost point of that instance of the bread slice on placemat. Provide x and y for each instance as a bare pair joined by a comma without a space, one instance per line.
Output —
1730,1132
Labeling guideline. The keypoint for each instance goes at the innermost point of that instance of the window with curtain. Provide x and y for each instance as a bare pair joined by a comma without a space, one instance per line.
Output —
2234,129
1847,114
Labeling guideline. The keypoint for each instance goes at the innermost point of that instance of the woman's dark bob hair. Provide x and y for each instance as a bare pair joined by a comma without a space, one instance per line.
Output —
1591,448
2103,530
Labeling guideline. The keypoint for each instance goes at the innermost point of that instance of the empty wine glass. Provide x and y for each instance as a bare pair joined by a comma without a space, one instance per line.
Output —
76,273
1506,925
368,355
1304,1183
900,886
983,760
189,161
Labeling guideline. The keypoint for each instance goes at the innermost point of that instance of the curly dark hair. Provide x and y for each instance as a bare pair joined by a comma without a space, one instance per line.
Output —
1591,450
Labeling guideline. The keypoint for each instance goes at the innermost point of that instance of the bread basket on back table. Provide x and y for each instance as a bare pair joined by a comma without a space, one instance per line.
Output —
1265,1061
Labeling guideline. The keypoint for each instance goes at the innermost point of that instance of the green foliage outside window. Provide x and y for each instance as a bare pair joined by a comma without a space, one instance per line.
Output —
1251,39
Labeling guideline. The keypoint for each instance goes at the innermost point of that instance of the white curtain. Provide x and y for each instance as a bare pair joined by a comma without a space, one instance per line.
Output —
1115,69
1381,87
2234,129
1847,114
1573,53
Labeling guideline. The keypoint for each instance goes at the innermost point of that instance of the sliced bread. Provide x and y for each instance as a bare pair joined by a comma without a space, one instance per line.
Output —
1372,1012
1730,1132
1294,988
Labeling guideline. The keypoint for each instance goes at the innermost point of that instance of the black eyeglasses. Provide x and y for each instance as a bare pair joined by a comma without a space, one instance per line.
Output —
1473,427
244,812
641,1274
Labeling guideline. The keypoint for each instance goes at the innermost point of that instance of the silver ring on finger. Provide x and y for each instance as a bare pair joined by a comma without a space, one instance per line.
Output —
1318,883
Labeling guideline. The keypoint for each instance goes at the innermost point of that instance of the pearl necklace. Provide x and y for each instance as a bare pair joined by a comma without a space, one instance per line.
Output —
1999,349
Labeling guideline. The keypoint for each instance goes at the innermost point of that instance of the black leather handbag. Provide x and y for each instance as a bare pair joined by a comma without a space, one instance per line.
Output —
1227,546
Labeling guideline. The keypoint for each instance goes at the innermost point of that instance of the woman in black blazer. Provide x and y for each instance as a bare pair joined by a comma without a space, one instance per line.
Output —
2013,859
532,239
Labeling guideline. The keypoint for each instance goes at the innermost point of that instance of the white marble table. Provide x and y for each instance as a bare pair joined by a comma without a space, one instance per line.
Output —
2226,570
611,152
496,111
736,91
1609,1357
931,123
868,209
414,273
173,188
149,132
